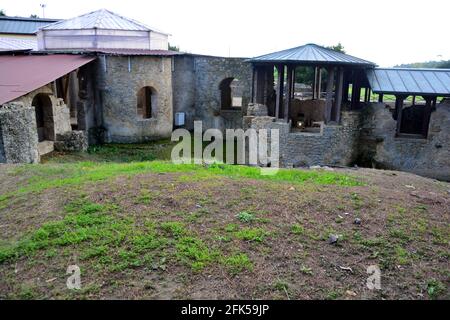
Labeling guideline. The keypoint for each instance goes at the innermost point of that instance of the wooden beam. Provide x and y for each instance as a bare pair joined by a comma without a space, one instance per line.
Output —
280,91
319,83
254,84
346,86
356,91
429,101
399,111
336,114
287,103
329,99
293,81
314,86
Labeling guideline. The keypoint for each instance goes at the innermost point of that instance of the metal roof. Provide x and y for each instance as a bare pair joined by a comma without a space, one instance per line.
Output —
410,81
136,52
7,44
22,74
311,53
100,19
19,25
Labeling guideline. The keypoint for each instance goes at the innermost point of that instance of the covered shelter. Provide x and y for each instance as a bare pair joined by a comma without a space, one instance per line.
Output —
420,88
334,71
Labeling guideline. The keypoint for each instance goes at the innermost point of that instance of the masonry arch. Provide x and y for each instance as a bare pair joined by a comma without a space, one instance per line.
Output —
230,93
44,117
147,102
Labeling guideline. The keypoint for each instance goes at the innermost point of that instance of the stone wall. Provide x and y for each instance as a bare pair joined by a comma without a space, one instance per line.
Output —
380,148
60,112
335,145
119,98
18,134
196,81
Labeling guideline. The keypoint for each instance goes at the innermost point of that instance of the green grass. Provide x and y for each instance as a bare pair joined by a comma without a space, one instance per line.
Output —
252,234
49,176
245,217
238,263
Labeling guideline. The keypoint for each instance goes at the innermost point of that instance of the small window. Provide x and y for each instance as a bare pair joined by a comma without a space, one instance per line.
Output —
230,94
146,102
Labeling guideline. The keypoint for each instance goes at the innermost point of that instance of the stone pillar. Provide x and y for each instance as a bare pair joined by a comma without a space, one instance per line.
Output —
18,134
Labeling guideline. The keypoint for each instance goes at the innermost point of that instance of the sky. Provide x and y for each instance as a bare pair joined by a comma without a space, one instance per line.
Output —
387,32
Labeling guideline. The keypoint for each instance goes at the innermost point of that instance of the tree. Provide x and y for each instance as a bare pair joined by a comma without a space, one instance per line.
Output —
34,16
173,48
2,13
338,48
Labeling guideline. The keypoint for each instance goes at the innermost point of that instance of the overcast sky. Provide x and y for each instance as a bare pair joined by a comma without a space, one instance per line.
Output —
387,32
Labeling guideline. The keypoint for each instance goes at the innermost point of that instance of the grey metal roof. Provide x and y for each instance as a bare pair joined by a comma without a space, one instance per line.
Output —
100,19
311,53
410,81
19,25
7,44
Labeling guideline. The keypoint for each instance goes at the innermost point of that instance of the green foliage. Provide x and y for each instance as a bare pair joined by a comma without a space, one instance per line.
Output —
252,234
443,64
245,217
297,229
195,253
238,263
435,288
2,13
174,48
175,228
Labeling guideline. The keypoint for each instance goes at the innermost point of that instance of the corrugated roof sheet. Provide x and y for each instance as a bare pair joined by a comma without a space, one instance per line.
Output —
136,52
100,19
410,81
19,25
22,74
17,44
311,53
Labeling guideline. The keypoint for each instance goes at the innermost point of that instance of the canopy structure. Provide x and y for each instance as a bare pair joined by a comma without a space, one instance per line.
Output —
20,75
342,70
417,82
312,54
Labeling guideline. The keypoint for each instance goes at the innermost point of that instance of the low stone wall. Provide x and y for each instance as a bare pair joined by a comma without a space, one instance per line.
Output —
19,140
380,148
72,141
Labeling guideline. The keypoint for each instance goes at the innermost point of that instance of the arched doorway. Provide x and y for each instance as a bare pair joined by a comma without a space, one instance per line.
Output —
44,117
230,94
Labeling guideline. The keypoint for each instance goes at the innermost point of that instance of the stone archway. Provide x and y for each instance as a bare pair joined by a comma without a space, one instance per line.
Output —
44,117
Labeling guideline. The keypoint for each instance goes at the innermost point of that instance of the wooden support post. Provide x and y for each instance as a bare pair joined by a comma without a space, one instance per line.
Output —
356,91
429,101
380,98
314,85
265,94
287,103
329,99
293,83
399,111
336,114
253,85
346,87
280,91
259,85
414,100
319,83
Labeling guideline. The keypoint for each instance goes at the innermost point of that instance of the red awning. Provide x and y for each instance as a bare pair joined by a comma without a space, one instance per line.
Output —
20,75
